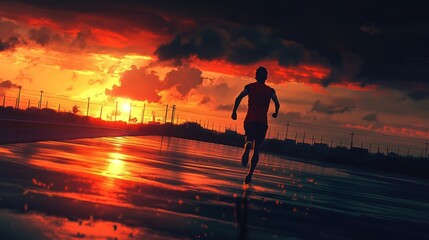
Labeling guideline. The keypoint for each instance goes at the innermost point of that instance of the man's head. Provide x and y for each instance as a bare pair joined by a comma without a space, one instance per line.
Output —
261,74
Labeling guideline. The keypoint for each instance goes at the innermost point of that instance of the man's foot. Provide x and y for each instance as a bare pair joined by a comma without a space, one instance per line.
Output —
245,157
248,178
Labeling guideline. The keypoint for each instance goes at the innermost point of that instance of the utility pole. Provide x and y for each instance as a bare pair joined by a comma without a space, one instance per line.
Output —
40,100
87,107
173,111
19,98
166,112
144,109
351,140
303,138
28,106
4,100
101,111
287,129
296,137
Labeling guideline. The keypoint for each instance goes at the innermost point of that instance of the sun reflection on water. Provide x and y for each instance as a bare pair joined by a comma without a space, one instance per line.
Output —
116,166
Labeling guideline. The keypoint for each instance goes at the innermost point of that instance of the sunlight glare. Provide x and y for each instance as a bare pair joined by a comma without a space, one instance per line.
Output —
126,107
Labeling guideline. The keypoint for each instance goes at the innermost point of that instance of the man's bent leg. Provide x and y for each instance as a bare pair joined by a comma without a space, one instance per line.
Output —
245,157
250,137
255,158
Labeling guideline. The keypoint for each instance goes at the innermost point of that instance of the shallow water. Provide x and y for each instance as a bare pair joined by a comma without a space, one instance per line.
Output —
169,188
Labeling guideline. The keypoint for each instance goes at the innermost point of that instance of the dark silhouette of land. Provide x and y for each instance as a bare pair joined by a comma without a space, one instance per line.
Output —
36,124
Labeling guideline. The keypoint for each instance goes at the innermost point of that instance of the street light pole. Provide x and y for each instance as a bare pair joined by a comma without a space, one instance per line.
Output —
166,112
40,100
87,108
19,98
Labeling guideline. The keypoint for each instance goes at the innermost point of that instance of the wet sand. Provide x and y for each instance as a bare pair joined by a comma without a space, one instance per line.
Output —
169,188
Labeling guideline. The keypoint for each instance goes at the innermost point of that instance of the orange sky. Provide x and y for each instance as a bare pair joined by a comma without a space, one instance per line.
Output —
73,56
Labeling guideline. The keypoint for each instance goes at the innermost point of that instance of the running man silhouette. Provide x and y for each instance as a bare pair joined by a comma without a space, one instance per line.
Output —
255,123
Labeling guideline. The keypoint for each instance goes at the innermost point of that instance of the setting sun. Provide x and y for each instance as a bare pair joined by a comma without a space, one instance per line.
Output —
126,107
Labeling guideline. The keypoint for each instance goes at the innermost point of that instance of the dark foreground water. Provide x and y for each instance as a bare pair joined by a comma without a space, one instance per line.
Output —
167,188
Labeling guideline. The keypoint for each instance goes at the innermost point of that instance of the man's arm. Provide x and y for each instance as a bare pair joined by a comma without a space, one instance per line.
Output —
244,93
276,103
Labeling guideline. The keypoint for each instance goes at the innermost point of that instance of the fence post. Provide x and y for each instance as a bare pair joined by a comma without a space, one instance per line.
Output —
143,110
40,100
19,98
166,112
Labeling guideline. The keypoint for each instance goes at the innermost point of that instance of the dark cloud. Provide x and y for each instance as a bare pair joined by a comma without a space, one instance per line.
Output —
5,85
121,17
207,44
236,44
419,95
137,84
82,38
205,100
380,43
229,107
329,109
183,80
371,117
361,42
9,44
43,36
8,84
